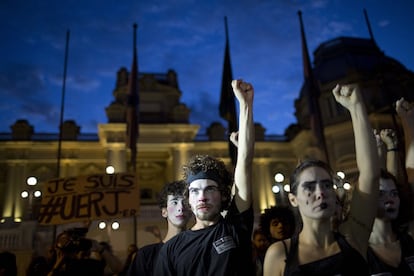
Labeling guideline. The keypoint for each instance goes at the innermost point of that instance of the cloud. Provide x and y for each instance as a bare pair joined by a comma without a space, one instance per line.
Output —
187,36
21,81
204,111
77,82
383,23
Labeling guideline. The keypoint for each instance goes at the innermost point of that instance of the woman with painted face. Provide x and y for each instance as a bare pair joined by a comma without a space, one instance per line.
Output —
391,247
319,248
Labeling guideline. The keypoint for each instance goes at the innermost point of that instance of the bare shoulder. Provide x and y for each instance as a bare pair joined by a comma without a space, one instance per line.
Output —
274,263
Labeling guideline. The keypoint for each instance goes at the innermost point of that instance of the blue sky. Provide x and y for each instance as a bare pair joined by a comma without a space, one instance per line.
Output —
184,35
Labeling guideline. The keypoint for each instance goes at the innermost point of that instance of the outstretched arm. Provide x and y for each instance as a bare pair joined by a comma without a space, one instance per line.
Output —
365,196
243,172
405,111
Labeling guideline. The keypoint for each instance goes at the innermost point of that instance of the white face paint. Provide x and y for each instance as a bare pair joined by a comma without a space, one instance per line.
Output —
178,213
388,200
315,198
205,199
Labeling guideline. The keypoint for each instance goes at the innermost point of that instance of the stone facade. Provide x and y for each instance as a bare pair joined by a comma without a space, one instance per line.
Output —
167,140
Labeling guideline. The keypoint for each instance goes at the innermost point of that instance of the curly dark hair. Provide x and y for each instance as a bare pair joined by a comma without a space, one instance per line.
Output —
284,214
175,188
206,163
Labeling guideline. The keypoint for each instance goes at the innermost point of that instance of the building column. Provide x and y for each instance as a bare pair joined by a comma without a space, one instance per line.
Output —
116,157
262,183
181,154
9,195
16,182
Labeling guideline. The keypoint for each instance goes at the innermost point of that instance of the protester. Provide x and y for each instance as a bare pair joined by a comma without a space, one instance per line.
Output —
217,245
260,243
277,223
72,255
391,247
318,248
177,214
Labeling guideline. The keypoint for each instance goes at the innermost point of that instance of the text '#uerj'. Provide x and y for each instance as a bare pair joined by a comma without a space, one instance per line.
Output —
89,197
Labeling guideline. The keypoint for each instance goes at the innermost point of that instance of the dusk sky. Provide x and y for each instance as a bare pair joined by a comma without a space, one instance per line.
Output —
187,36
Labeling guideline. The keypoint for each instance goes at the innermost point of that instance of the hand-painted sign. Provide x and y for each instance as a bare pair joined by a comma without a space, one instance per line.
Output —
90,197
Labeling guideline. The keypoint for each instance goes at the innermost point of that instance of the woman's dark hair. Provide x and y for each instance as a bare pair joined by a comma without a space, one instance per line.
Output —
211,165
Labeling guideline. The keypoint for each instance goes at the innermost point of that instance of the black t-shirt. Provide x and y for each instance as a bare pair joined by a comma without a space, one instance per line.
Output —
146,257
406,266
221,249
347,262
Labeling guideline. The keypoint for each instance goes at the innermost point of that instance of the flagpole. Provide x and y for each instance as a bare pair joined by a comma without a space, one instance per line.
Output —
62,108
227,106
62,105
389,101
132,115
369,26
313,93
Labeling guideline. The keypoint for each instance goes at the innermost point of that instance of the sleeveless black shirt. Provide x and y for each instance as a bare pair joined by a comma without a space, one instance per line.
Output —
346,262
406,266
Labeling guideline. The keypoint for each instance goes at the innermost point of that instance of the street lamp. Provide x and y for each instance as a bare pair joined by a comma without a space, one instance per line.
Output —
110,170
280,189
31,193
279,177
114,225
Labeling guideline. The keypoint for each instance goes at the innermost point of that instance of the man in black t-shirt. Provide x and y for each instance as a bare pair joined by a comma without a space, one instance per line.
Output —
217,244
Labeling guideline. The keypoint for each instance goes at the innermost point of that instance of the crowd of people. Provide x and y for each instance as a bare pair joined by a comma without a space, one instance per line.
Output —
312,236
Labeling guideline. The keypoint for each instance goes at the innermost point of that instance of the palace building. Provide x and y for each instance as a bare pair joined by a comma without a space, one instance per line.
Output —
167,139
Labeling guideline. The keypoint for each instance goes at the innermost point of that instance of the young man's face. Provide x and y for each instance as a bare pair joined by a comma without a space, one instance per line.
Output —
177,212
276,229
205,199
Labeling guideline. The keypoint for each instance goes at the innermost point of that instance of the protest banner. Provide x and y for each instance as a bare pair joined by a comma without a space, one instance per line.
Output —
89,197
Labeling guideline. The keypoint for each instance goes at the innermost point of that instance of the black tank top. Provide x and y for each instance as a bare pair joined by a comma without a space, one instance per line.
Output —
406,266
346,262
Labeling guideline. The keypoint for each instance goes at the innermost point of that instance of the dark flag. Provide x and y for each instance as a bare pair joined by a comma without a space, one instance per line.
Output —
132,112
312,92
227,99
